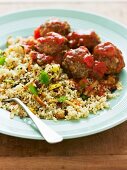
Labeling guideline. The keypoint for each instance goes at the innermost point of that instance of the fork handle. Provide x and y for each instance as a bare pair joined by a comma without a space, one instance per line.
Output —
49,134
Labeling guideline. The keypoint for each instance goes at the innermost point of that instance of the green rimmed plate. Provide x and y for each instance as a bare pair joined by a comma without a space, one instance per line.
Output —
22,24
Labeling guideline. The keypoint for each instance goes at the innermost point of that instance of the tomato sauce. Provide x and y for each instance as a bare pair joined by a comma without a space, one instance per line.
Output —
106,49
99,68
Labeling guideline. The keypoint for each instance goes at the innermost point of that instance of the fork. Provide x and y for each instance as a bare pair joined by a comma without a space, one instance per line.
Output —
47,132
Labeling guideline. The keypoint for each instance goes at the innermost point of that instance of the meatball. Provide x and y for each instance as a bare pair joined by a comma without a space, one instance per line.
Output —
89,39
111,56
99,69
78,62
55,25
40,59
52,44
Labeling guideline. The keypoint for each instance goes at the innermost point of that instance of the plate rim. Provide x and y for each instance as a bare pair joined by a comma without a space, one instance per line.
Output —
102,16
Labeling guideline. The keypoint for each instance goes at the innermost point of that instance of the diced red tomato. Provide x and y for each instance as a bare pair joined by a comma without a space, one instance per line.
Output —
88,89
83,83
37,33
89,60
101,91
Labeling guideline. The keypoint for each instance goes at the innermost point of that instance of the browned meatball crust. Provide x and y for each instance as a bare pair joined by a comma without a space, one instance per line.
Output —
111,56
52,44
78,62
55,25
89,39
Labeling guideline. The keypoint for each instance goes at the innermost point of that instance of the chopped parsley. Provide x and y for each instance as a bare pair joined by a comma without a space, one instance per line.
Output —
44,78
2,58
62,99
33,89
84,97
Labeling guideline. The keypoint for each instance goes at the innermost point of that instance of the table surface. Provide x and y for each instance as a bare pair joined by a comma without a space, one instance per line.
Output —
107,150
